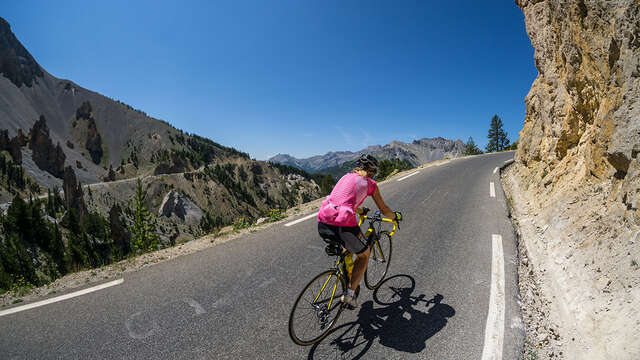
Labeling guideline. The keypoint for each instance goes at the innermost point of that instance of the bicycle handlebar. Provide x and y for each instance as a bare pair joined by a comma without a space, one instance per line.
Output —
378,217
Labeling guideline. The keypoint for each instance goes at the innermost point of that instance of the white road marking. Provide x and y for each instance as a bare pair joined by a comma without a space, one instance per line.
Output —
60,298
301,219
195,305
492,189
508,161
432,191
494,170
494,331
404,177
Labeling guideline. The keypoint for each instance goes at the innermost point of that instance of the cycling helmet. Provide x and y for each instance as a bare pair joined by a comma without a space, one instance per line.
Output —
368,163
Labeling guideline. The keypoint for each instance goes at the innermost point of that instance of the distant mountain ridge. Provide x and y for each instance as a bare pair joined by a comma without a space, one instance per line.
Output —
418,152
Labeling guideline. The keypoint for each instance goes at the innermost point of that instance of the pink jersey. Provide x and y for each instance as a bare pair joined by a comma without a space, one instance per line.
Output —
338,208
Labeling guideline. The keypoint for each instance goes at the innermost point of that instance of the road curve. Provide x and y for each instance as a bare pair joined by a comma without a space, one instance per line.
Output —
232,301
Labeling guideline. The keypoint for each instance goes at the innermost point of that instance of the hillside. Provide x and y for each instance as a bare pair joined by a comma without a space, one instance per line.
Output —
105,181
95,132
417,153
575,182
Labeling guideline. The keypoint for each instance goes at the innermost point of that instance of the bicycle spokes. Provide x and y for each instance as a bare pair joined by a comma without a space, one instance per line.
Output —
317,308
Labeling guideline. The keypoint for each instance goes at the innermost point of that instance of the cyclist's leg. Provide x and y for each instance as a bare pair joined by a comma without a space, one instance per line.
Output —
355,242
359,268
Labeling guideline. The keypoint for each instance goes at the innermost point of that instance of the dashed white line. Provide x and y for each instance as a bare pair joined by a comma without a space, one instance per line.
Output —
404,177
61,298
494,330
301,219
495,170
492,189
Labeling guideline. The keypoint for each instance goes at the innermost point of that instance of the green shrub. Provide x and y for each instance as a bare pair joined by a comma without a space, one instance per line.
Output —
241,223
275,215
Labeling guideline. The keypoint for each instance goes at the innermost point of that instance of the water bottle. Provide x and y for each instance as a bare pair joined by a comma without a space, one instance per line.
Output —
348,260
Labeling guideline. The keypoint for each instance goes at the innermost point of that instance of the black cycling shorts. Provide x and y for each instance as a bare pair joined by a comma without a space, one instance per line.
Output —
350,237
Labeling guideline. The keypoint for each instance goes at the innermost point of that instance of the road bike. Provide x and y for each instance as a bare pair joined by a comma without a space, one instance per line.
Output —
319,305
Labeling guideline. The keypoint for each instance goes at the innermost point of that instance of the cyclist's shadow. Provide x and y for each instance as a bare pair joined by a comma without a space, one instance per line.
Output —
397,323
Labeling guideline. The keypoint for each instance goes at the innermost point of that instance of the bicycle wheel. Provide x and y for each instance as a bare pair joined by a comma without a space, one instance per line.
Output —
379,260
317,308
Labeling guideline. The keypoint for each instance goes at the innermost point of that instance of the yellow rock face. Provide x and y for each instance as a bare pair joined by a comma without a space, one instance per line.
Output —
583,115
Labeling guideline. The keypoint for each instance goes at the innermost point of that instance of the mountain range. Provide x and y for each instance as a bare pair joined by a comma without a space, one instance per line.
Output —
417,153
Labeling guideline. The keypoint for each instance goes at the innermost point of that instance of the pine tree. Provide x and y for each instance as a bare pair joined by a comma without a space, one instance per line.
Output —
58,252
471,148
503,141
498,140
143,237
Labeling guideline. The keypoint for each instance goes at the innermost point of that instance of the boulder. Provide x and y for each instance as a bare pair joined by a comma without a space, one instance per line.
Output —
176,205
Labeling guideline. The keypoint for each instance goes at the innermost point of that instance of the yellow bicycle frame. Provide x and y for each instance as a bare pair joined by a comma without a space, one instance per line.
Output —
335,286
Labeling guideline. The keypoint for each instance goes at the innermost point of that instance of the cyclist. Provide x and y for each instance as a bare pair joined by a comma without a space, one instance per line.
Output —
337,219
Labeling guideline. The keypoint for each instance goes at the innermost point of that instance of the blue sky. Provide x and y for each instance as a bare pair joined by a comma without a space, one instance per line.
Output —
296,77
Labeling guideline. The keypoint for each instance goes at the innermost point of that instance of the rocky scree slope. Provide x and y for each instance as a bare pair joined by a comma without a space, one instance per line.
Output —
95,132
418,152
575,184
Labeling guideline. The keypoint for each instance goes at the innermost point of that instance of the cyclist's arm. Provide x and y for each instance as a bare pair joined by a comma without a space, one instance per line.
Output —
381,205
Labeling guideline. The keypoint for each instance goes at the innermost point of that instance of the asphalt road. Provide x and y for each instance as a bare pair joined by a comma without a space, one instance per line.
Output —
232,301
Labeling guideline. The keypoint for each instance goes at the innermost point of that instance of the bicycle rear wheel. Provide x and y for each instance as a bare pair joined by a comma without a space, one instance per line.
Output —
317,308
379,260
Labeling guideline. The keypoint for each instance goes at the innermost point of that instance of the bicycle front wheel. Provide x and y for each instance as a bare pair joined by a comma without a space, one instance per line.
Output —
379,260
317,308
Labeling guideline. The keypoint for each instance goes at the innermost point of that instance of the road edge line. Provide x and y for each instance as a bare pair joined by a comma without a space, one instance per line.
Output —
61,297
404,177
494,330
301,219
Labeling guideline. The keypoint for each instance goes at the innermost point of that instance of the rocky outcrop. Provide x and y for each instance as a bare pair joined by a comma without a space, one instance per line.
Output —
73,194
119,232
12,145
48,157
93,142
577,176
175,204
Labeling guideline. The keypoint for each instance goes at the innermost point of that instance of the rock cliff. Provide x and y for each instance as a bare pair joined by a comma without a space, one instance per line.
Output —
576,181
